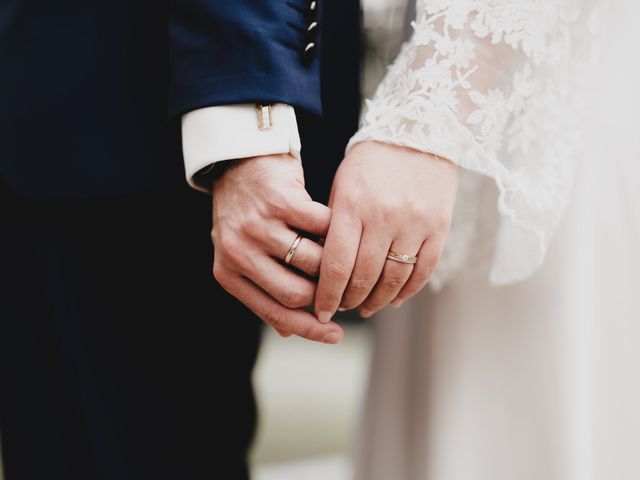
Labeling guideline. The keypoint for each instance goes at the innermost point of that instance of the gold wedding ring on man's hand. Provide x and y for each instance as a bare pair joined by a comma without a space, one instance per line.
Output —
396,257
292,250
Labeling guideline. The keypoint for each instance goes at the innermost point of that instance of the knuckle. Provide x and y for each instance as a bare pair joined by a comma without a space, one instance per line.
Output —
254,226
358,286
306,331
274,318
389,211
394,282
327,301
352,199
417,212
336,271
283,333
440,221
229,248
278,204
273,235
295,299
220,274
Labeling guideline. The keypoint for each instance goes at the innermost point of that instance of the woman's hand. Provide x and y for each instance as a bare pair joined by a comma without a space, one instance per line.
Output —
385,198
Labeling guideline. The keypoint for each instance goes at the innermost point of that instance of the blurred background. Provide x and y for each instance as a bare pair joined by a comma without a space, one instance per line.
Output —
310,395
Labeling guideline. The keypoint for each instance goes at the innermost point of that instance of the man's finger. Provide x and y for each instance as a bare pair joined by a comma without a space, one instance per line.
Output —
338,259
294,321
309,216
286,286
282,333
306,256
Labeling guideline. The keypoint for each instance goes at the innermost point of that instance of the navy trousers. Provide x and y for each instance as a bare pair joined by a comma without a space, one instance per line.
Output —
120,357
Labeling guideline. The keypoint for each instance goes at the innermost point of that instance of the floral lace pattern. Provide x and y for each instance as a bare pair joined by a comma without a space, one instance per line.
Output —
492,85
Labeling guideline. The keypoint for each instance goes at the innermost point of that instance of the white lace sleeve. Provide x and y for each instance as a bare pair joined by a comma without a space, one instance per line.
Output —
492,86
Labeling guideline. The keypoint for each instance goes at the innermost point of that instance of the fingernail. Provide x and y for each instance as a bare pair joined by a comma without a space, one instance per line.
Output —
342,309
332,338
324,317
396,303
365,313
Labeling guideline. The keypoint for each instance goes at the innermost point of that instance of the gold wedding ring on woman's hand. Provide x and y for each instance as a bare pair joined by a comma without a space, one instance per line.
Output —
397,257
292,250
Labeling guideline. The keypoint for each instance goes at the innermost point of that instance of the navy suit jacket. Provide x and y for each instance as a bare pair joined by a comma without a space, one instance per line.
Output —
86,87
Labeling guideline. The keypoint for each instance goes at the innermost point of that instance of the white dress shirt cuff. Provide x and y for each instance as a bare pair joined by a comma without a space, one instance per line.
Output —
214,134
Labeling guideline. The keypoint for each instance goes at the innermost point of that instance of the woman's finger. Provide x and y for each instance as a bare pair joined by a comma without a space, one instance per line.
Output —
394,276
338,260
370,261
428,258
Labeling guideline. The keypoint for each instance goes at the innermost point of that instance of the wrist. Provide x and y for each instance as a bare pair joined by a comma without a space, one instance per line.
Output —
388,148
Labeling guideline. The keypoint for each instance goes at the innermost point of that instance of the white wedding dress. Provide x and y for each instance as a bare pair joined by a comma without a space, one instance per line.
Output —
523,360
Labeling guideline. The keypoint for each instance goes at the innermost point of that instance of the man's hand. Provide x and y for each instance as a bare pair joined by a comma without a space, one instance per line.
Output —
257,203
385,198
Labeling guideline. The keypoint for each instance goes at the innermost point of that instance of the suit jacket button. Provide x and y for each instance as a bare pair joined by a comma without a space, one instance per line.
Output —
309,52
312,10
312,31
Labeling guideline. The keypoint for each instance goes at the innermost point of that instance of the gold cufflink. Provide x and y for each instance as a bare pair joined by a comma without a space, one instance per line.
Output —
265,120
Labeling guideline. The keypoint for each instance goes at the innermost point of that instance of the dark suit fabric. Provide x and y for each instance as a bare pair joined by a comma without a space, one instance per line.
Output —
120,357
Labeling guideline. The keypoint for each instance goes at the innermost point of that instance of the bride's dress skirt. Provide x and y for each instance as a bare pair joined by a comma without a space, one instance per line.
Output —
539,380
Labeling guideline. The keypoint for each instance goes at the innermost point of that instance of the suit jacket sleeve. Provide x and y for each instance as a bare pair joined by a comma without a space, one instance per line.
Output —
244,51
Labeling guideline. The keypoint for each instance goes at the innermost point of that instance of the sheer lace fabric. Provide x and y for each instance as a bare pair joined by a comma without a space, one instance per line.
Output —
495,86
